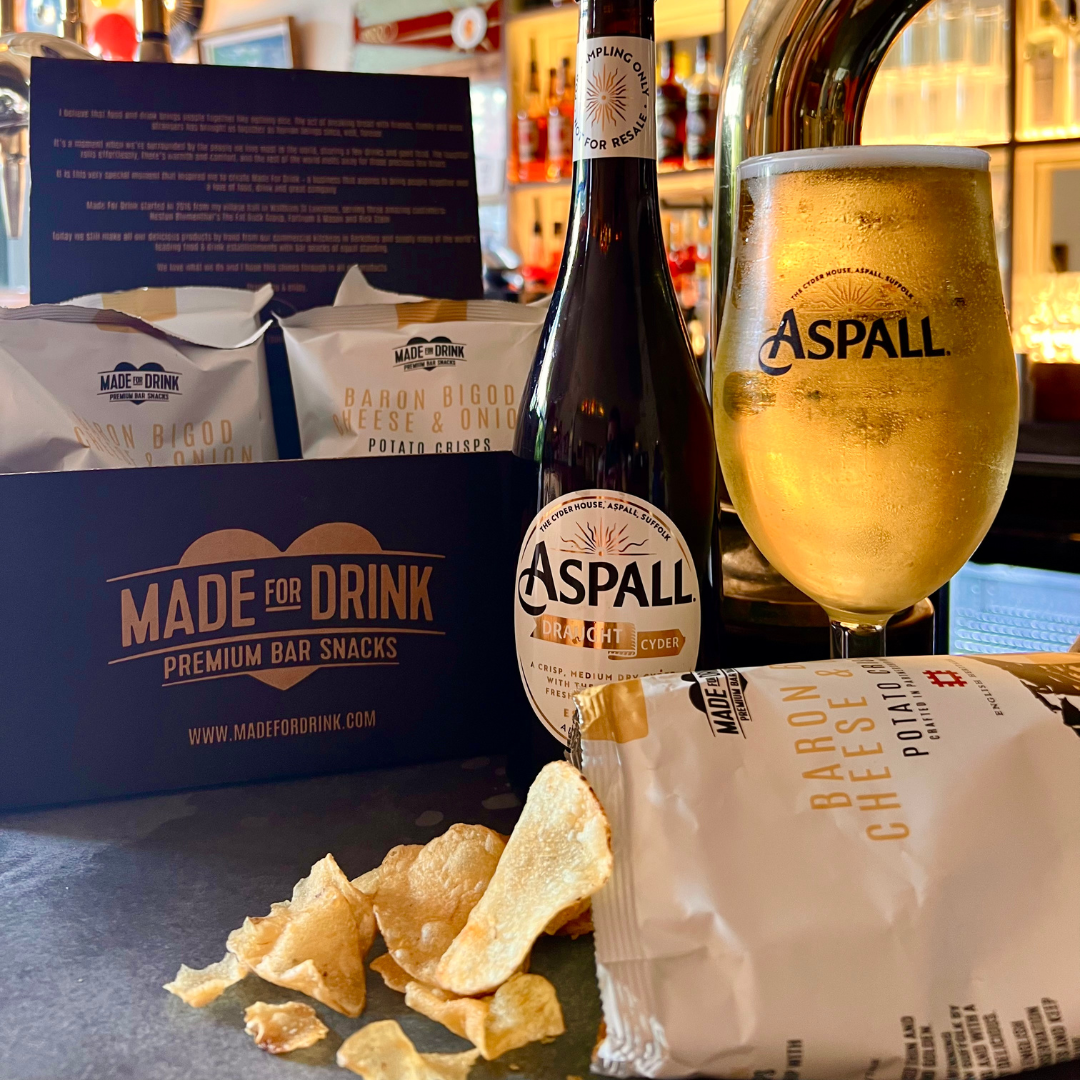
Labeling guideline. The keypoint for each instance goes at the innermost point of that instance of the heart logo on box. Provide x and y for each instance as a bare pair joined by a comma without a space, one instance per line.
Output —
367,591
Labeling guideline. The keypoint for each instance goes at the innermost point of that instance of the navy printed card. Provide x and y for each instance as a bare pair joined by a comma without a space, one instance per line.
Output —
165,175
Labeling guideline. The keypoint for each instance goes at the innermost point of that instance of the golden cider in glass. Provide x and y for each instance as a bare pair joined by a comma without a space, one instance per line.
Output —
865,396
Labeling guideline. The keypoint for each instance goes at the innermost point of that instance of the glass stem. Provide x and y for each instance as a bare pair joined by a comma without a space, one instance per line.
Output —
855,639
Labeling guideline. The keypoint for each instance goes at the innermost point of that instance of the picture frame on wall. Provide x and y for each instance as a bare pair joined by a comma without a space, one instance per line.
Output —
272,43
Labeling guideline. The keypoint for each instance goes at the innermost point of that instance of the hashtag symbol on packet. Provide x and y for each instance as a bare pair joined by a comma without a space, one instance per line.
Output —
951,679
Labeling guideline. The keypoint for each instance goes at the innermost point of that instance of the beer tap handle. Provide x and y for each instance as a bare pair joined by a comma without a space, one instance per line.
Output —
153,33
73,27
798,77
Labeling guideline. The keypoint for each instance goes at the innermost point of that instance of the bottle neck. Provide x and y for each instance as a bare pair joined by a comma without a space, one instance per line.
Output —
629,18
702,64
666,62
615,203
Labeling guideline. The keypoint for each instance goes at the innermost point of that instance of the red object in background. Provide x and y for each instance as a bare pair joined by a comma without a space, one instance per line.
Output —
114,35
430,31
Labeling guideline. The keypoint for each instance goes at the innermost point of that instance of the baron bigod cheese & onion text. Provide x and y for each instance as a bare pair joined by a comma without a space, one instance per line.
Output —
432,377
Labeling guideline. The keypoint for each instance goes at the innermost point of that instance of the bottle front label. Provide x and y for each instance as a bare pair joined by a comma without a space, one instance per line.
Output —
614,111
606,591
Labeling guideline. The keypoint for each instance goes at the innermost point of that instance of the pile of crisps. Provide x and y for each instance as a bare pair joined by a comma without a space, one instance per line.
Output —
459,916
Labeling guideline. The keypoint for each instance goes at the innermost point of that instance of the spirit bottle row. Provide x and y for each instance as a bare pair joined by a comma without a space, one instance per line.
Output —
686,111
1050,86
545,124
688,239
685,117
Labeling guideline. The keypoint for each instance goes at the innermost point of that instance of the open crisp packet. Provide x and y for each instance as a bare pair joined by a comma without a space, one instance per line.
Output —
843,869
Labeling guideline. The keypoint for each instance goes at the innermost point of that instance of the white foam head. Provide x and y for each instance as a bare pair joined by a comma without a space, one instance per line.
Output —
864,157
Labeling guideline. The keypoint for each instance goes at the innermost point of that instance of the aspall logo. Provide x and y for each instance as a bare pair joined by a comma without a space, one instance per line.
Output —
848,314
606,591
150,382
602,575
418,352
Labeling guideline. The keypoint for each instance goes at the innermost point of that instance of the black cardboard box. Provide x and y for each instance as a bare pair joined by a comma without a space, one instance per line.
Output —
178,627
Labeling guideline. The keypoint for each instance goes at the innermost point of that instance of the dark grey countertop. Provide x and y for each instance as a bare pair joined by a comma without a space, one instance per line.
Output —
101,903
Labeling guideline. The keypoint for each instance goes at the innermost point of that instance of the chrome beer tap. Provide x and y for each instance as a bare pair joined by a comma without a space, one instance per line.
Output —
16,52
798,76
153,26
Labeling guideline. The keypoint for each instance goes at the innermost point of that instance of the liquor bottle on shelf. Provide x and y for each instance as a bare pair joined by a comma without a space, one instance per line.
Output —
698,326
672,244
702,100
532,122
1045,84
897,86
1074,68
560,128
534,268
556,253
881,117
682,257
616,460
670,113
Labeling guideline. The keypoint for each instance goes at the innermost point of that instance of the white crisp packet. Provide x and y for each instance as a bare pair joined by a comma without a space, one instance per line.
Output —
92,389
439,376
845,869
201,315
355,289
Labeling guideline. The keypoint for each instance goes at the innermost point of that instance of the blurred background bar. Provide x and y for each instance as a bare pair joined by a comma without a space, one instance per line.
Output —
1000,74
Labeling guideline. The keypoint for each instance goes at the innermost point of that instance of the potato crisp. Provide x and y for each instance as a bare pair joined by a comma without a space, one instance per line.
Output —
316,942
395,977
523,1010
424,895
283,1028
382,1051
571,920
200,986
558,855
